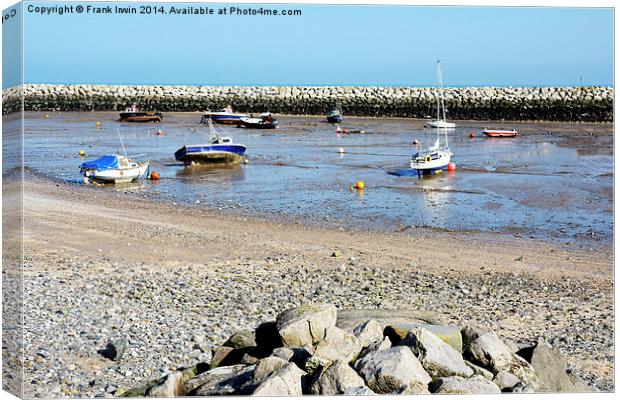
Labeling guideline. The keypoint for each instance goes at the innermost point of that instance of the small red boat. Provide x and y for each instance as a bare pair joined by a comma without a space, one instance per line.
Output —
500,133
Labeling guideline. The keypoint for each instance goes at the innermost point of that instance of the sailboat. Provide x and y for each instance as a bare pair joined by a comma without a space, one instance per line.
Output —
437,156
440,123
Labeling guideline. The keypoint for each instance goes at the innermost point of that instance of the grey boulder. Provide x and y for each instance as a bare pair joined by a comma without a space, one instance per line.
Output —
336,379
368,332
395,370
306,324
491,352
459,385
338,345
285,381
437,357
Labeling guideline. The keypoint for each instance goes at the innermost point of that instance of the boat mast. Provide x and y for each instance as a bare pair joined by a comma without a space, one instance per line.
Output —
122,144
443,106
438,93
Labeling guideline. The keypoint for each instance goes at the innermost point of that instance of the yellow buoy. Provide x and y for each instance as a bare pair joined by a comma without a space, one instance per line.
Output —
98,123
341,150
359,185
47,116
246,161
82,153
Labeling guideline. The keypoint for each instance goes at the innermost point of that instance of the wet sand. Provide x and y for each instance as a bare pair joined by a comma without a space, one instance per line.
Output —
103,263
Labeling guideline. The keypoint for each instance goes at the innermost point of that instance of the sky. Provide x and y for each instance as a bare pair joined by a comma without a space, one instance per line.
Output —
326,45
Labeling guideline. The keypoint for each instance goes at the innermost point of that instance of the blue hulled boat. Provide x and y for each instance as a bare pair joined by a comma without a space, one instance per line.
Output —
224,116
334,116
218,150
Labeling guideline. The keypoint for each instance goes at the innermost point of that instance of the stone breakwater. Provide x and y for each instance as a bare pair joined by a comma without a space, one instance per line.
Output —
316,349
593,103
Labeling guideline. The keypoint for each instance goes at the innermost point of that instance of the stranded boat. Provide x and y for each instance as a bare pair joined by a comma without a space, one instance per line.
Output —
218,150
440,123
133,114
266,121
224,116
114,168
334,116
500,133
436,157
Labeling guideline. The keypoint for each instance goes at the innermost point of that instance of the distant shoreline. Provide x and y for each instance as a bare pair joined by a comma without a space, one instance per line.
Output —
592,104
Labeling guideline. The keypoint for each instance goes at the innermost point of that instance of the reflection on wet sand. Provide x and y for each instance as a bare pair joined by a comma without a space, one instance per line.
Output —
212,173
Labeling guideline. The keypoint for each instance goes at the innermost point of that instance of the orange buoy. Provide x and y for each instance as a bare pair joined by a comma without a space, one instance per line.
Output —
451,166
471,135
359,185
154,175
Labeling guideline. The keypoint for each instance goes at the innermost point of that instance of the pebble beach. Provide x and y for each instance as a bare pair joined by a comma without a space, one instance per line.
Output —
175,281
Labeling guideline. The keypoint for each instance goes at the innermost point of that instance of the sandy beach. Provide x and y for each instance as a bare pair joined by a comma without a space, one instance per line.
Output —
177,280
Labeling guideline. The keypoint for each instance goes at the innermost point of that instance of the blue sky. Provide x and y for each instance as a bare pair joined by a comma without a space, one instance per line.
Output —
327,45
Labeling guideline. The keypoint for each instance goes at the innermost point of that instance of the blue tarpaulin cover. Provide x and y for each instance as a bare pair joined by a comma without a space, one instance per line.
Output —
105,162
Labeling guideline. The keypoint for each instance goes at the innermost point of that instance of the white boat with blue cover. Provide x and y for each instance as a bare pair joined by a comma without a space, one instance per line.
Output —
114,168
219,149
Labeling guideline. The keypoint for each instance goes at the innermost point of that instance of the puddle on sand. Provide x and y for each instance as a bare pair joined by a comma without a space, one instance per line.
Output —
537,185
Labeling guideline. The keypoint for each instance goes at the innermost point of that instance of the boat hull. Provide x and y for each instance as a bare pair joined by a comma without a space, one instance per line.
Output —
119,175
211,154
248,123
141,117
441,124
431,161
223,118
500,133
334,119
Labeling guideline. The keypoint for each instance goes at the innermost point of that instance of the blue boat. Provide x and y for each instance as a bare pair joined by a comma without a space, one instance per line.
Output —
334,116
224,116
218,150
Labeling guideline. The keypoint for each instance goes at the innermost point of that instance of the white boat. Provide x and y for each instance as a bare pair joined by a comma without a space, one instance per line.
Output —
440,122
114,168
436,157
224,116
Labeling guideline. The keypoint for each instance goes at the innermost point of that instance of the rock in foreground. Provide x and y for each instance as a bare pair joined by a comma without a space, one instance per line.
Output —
304,352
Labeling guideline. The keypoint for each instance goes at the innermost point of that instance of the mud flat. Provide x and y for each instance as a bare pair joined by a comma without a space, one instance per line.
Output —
175,281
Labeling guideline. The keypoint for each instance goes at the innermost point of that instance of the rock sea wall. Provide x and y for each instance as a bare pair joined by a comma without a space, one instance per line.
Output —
591,103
